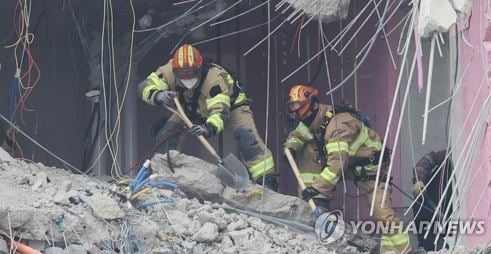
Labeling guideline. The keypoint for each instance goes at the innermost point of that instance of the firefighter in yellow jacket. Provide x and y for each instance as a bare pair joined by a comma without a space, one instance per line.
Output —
213,100
329,140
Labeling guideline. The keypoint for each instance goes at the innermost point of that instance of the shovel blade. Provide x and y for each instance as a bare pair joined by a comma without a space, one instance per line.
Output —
233,173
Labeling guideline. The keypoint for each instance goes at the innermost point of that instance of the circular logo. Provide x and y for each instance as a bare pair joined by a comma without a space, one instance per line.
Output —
330,227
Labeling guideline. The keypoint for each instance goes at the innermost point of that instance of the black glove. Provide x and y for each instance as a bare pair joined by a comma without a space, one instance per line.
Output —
165,98
206,130
309,193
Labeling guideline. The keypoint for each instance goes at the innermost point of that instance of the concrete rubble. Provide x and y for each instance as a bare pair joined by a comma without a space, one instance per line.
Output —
436,16
462,6
93,218
203,184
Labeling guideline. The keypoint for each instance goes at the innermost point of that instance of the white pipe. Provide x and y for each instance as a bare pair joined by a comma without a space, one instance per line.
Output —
473,130
428,88
391,114
399,124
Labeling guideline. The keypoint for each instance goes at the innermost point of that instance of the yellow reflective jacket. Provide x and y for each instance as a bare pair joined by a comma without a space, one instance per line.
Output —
217,95
345,140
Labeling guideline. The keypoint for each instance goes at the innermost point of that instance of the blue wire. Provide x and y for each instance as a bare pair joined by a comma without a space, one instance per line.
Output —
155,202
163,184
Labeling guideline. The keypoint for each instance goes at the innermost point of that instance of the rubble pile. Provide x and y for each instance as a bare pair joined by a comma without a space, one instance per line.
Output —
55,211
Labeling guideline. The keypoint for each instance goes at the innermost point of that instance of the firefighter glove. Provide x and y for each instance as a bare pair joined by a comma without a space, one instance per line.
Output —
165,98
309,193
204,129
418,188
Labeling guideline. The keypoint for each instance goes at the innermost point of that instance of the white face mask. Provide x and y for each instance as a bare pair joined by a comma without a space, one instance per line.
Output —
189,83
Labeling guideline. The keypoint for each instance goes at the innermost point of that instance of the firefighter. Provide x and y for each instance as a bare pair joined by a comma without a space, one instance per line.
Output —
214,101
329,140
424,170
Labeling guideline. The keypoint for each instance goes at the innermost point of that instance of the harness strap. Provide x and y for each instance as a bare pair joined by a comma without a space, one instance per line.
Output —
191,108
370,161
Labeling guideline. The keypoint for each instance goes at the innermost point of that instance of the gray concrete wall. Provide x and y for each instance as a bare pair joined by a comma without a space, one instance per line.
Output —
437,133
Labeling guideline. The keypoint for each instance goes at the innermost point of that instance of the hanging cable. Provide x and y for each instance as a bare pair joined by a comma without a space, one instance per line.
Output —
39,145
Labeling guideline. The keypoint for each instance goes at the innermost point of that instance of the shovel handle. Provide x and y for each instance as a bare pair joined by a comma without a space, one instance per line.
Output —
188,122
295,170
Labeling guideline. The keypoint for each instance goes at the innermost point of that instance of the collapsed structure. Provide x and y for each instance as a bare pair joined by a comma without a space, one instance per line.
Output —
398,61
53,210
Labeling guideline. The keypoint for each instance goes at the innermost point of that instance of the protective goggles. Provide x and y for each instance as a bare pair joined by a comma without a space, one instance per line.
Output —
188,73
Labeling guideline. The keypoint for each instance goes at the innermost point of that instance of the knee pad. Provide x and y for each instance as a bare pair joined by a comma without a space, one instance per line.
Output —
247,142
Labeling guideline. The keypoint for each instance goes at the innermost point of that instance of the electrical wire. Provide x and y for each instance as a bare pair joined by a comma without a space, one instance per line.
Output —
398,129
186,13
268,79
39,145
236,32
215,16
329,81
240,14
115,130
428,88
391,113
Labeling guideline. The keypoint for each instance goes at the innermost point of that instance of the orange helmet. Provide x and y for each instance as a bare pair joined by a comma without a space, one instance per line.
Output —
300,99
186,62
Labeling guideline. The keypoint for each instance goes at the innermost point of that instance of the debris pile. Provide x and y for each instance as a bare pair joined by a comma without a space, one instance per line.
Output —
53,210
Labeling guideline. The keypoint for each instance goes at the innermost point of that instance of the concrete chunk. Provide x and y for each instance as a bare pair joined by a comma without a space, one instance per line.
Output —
462,6
76,249
41,181
192,174
3,247
198,180
4,156
241,235
237,225
105,207
435,16
207,233
54,250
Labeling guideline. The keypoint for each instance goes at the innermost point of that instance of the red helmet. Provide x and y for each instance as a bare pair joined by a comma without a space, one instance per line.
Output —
186,62
300,100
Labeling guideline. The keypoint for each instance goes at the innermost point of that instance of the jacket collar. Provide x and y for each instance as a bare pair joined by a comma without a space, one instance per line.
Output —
319,118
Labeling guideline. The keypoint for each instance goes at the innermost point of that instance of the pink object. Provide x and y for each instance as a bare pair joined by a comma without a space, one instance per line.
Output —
478,198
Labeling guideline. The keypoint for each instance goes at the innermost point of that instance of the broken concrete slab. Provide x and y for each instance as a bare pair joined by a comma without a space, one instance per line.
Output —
76,249
191,226
41,181
54,250
237,225
105,207
3,246
63,198
462,6
4,156
202,183
195,181
207,233
435,16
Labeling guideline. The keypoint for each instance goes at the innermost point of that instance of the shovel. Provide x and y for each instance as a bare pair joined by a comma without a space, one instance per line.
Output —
231,171
329,226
